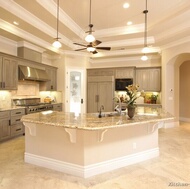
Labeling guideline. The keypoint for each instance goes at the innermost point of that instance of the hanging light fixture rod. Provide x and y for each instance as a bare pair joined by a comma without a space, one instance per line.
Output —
56,43
145,49
90,38
145,28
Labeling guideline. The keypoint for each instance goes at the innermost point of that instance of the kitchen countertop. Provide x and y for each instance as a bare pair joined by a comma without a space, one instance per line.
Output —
90,121
11,108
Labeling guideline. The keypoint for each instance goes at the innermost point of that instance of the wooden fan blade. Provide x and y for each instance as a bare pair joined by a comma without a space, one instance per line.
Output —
104,48
96,42
80,49
80,44
95,52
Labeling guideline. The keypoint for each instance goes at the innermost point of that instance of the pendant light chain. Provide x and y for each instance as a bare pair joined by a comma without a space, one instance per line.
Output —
145,30
57,17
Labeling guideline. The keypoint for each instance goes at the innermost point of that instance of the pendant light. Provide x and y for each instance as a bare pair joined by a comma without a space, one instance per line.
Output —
90,38
56,43
145,49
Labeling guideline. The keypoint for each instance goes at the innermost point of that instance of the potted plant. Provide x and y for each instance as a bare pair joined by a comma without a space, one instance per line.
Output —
132,95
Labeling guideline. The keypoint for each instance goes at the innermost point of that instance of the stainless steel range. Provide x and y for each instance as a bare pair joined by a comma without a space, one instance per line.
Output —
32,105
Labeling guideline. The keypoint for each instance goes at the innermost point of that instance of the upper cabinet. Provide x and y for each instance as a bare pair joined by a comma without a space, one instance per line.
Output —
149,79
8,73
125,73
52,84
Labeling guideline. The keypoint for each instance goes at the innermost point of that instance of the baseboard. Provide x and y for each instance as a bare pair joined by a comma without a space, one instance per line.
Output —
184,119
94,169
171,124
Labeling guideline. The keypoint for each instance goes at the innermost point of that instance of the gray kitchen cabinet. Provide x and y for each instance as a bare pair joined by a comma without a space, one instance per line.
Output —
101,72
149,79
52,84
8,73
17,127
5,129
100,91
57,107
125,72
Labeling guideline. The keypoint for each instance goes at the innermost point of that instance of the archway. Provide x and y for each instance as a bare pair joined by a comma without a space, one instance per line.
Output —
171,84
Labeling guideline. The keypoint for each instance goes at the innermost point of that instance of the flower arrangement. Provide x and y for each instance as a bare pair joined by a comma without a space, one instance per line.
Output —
132,95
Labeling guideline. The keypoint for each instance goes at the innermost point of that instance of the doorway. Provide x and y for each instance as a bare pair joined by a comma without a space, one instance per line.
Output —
75,90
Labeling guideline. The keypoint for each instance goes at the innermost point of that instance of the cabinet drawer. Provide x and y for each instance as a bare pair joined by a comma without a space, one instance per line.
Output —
5,115
17,112
16,119
17,129
57,107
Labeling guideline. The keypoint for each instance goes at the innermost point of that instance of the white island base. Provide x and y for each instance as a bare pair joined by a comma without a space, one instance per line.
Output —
86,153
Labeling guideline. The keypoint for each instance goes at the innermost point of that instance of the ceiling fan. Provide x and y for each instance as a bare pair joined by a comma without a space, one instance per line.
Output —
92,46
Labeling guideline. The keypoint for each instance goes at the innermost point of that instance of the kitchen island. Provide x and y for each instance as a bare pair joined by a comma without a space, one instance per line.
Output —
85,145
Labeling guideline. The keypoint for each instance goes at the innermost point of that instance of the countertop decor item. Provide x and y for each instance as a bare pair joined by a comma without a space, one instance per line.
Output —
132,95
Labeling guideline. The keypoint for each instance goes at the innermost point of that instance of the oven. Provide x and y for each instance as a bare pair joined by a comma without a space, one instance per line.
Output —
32,105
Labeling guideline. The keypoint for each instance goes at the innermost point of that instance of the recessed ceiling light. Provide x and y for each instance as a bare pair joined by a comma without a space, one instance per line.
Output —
15,23
126,5
129,23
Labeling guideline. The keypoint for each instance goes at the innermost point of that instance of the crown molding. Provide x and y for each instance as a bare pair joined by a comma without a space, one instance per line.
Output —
33,20
8,41
123,59
120,31
51,7
30,46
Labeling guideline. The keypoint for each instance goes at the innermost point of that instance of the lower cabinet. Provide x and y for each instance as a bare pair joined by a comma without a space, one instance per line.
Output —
17,127
57,107
5,129
10,124
100,92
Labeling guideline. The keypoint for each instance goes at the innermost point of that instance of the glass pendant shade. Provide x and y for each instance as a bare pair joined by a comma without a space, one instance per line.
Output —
89,38
144,58
56,44
91,49
145,50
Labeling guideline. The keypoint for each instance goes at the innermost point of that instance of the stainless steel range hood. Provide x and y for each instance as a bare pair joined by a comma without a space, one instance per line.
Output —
33,74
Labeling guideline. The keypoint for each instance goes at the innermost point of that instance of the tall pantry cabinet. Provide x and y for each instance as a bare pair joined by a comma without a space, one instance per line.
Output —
100,92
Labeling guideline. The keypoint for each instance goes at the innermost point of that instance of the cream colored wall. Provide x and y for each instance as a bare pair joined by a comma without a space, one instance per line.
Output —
184,95
172,58
64,63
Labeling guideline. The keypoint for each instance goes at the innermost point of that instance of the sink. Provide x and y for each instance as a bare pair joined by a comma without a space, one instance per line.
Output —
109,114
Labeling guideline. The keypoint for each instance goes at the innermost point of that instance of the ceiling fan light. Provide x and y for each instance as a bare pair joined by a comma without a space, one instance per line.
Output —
91,49
56,44
89,38
144,58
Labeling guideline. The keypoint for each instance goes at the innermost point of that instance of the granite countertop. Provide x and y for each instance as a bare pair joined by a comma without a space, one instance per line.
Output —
90,121
11,108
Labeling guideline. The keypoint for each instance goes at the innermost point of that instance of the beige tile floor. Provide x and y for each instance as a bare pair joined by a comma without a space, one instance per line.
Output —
171,167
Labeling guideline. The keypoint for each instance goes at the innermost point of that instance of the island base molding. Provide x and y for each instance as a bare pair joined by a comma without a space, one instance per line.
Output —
93,169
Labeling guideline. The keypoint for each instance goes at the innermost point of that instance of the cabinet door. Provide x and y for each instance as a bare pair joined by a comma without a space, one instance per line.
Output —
5,129
148,79
52,84
142,79
105,93
124,73
92,96
10,73
155,80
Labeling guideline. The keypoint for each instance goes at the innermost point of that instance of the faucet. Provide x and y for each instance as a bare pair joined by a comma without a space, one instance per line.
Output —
118,107
100,112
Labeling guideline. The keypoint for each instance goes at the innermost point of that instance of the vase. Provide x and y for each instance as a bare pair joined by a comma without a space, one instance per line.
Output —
131,111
